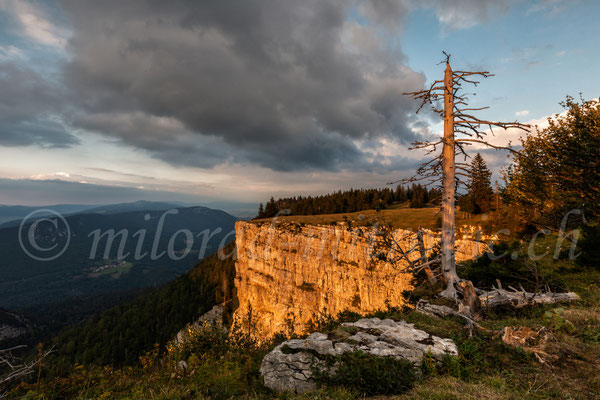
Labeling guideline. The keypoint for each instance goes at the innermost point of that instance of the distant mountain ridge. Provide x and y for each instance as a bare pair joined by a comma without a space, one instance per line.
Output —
13,215
83,269
16,212
140,205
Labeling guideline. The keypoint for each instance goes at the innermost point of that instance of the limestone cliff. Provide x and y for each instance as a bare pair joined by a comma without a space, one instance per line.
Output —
290,275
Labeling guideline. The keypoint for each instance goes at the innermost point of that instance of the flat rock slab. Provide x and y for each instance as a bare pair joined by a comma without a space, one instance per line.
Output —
289,366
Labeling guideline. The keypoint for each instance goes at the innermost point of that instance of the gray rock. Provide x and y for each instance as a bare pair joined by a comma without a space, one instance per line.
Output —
182,365
289,366
293,371
363,338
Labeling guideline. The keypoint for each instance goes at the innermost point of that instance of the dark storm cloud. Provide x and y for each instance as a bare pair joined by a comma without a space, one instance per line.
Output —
26,105
164,137
43,133
286,85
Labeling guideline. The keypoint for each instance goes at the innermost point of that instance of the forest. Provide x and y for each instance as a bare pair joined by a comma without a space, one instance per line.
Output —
347,201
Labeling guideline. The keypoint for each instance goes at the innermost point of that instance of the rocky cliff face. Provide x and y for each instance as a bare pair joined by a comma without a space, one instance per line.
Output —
290,275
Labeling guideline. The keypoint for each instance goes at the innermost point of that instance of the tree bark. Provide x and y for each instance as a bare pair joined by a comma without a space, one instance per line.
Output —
471,303
428,272
519,299
448,188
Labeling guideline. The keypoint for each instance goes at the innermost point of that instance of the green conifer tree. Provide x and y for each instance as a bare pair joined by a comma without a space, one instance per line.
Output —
480,194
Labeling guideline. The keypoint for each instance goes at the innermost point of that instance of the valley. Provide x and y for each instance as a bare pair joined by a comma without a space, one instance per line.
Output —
105,258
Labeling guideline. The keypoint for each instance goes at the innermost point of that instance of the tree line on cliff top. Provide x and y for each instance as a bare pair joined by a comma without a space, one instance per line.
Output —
345,201
479,197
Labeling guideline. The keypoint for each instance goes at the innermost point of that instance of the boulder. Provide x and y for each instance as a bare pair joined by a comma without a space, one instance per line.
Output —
289,366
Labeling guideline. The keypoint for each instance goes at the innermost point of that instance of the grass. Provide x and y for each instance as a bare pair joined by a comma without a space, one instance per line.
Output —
450,388
399,216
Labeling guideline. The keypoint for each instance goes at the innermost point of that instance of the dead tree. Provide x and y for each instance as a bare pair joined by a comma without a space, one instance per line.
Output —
404,249
13,368
407,251
461,129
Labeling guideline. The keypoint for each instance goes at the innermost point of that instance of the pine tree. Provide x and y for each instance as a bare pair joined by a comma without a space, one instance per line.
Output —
271,208
418,200
480,194
261,211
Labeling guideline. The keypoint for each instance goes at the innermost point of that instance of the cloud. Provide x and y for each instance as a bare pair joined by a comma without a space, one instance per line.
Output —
55,175
288,86
121,174
452,14
10,52
28,106
34,22
464,14
390,13
549,7
522,113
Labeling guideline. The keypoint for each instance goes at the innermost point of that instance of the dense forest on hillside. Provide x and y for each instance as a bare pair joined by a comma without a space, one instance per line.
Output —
27,283
121,334
351,201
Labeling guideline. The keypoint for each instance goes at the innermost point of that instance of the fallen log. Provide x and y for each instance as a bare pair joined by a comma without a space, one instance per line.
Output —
425,307
471,306
518,299
433,310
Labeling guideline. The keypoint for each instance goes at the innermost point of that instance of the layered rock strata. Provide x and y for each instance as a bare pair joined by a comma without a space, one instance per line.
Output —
290,276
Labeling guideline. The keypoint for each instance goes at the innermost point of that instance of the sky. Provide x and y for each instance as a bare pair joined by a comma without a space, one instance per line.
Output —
223,102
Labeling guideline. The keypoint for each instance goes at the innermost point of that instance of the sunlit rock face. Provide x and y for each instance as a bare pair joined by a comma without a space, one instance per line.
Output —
290,276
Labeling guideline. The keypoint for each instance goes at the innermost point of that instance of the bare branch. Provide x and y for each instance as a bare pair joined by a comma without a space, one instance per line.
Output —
16,368
486,144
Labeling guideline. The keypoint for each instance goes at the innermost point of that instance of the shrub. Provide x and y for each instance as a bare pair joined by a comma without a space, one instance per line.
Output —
450,366
511,266
588,244
556,320
429,364
367,374
591,334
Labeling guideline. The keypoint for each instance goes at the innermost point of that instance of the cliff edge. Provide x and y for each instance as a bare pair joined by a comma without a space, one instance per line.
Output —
290,275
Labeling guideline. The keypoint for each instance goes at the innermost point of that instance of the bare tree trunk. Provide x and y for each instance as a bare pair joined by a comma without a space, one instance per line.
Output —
448,188
457,118
428,272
